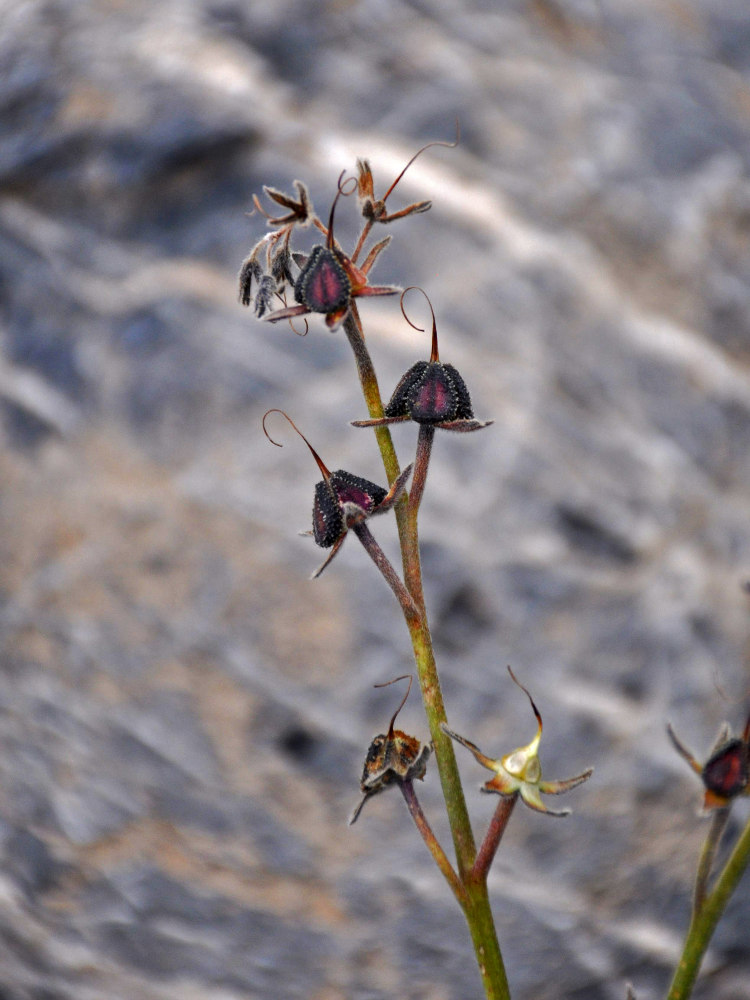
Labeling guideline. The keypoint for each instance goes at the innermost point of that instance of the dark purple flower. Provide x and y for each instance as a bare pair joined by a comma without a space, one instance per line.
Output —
432,393
342,500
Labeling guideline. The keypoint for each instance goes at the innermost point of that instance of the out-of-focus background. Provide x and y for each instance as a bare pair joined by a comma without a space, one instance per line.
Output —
183,714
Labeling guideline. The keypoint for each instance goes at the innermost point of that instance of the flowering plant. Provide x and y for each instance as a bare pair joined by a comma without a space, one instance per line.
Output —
329,282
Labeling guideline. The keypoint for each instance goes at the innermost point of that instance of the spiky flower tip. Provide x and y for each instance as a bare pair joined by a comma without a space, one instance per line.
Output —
520,772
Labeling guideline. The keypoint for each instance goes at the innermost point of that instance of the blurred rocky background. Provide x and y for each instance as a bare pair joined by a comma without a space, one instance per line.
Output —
183,714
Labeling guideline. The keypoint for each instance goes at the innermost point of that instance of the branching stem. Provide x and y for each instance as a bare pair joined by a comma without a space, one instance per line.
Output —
475,902
390,575
437,852
492,838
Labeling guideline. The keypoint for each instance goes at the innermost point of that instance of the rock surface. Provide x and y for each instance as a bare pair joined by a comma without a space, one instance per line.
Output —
183,715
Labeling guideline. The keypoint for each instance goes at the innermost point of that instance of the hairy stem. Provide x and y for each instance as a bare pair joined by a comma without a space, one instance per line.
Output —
421,465
390,575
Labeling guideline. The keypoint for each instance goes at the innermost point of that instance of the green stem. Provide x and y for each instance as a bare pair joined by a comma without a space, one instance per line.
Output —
482,929
708,855
705,920
476,905
371,392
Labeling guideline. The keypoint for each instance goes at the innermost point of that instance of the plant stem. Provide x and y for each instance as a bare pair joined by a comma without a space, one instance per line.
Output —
482,929
705,920
708,854
371,392
476,905
421,464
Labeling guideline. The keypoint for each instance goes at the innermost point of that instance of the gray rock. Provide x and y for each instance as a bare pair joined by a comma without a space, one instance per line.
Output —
183,715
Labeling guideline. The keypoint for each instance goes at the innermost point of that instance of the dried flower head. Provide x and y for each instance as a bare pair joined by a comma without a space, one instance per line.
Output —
392,757
342,499
299,210
374,209
520,772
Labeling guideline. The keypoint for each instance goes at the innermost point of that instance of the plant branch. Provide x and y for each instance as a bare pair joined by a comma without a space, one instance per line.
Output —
492,838
437,852
390,575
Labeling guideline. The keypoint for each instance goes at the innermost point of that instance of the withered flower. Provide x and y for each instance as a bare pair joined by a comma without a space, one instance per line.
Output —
274,273
300,211
521,771
342,500
374,209
270,275
392,757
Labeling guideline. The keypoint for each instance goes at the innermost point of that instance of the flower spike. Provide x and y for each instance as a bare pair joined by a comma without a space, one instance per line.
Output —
342,500
520,772
393,757
430,393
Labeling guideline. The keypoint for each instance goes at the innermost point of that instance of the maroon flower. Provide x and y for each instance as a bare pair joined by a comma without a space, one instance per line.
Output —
431,392
342,500
726,773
